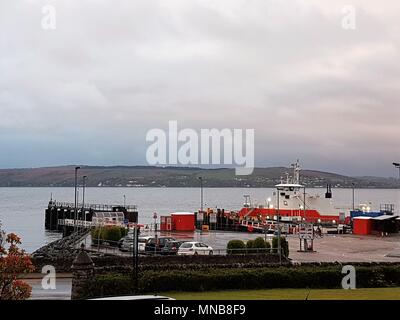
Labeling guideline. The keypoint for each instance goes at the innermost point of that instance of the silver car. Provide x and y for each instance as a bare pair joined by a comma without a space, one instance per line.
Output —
127,243
195,248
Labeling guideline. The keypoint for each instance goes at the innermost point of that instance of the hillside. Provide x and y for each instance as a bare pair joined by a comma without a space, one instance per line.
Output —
147,176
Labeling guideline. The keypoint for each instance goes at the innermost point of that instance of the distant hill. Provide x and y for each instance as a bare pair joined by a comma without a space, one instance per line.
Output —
148,176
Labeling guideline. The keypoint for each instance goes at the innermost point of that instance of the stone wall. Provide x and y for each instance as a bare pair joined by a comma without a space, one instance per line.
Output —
63,264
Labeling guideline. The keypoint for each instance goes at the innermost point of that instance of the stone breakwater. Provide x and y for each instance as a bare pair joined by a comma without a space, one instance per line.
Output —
65,248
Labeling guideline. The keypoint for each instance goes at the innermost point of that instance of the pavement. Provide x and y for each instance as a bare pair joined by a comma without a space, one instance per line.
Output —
329,248
62,290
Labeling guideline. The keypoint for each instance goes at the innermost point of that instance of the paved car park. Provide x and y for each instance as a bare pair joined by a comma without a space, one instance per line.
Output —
329,248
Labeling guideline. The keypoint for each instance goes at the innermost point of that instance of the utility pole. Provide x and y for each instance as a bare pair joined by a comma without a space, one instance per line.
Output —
304,204
155,232
83,197
76,197
136,256
397,166
279,229
201,193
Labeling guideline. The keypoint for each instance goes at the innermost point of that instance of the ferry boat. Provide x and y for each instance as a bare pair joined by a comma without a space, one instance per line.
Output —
293,203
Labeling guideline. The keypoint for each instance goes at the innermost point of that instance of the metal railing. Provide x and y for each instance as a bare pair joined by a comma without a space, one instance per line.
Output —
94,206
111,247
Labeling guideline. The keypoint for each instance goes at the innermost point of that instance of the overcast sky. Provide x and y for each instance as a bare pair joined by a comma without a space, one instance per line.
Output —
88,91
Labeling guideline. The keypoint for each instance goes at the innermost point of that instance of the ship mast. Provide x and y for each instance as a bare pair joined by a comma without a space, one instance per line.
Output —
296,172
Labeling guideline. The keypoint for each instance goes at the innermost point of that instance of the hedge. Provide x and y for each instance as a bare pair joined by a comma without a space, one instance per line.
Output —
111,234
107,285
237,279
236,247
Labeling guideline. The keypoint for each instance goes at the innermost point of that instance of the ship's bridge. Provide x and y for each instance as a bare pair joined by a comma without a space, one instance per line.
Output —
289,186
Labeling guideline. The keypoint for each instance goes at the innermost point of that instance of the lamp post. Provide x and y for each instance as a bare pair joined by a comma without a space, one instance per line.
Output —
76,197
353,187
397,166
84,178
201,193
124,201
155,231
279,228
304,203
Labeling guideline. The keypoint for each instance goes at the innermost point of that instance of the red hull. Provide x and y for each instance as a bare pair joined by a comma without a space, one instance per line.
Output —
309,215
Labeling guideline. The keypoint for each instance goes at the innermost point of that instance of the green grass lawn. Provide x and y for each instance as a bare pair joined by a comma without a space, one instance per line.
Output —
291,294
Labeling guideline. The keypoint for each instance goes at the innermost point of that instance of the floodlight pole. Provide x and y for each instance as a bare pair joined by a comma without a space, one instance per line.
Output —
397,166
279,229
76,200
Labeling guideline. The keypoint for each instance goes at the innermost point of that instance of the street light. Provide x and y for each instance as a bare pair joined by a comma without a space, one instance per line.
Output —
201,193
76,200
397,166
279,228
353,185
84,178
124,201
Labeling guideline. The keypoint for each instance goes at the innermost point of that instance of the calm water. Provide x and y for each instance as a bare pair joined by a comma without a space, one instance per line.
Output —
22,209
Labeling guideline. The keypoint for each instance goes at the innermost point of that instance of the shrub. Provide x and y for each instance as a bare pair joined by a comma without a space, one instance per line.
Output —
284,246
107,285
13,263
236,247
250,244
111,234
259,243
323,277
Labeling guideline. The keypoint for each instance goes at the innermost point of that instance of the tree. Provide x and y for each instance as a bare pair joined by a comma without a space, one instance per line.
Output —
14,262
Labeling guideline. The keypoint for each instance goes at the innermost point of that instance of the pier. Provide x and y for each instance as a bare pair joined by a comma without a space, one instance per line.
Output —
60,216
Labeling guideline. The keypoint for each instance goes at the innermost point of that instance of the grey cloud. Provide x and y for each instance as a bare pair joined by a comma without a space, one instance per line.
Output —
113,70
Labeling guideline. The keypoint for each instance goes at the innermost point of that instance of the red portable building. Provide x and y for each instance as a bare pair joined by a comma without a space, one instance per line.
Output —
183,221
362,225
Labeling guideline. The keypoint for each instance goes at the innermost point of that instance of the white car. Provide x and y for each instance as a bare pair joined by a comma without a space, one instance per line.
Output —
195,248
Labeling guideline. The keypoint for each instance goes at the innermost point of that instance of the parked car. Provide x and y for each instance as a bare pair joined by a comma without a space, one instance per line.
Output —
142,243
171,247
195,248
127,243
154,245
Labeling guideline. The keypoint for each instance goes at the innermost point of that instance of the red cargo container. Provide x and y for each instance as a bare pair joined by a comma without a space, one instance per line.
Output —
362,225
183,221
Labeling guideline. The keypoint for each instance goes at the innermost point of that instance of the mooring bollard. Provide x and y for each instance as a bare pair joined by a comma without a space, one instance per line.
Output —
82,271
